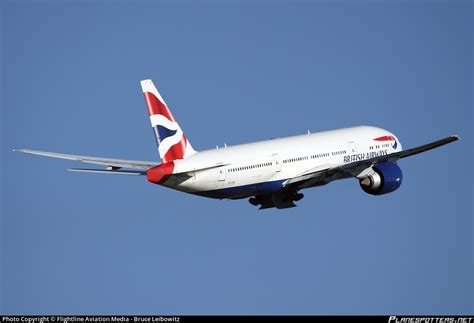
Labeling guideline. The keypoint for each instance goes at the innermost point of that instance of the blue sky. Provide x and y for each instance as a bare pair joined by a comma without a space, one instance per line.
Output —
233,73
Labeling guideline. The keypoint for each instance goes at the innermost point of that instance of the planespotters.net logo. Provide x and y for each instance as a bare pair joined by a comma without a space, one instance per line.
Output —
396,319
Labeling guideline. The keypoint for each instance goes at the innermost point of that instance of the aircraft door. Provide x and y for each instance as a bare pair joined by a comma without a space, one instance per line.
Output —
276,163
353,147
222,171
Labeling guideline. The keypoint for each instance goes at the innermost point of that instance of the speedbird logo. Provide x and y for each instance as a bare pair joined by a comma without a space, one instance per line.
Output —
388,138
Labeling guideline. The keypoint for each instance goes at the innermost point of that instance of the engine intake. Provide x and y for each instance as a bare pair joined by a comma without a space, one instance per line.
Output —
387,177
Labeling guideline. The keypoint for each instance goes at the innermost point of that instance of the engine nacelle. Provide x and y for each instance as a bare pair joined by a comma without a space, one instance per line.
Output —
387,177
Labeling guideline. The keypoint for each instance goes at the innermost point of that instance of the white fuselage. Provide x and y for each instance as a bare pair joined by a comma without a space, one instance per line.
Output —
255,166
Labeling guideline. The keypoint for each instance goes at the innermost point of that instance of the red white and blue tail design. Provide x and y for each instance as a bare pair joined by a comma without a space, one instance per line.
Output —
171,141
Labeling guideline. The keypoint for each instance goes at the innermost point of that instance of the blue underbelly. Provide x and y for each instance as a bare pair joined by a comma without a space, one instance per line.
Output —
243,191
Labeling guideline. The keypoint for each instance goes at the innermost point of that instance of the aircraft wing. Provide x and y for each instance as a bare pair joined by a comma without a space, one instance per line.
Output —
112,163
315,177
134,167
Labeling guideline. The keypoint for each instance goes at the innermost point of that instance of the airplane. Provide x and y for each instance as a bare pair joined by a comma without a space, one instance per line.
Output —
270,173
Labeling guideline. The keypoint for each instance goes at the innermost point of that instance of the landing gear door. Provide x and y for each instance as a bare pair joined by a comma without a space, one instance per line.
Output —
276,163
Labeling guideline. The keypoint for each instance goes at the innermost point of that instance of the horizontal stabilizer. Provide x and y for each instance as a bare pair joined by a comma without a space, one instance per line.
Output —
105,171
133,164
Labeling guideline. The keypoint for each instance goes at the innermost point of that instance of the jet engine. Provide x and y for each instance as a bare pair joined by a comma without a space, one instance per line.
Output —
385,178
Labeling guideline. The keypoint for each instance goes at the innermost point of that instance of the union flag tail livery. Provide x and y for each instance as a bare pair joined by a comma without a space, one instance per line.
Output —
270,173
171,141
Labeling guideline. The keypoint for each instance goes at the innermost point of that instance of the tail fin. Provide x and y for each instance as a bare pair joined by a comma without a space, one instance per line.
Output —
171,141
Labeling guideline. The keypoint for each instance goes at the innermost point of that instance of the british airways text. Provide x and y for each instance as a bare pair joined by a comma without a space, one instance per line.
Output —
364,156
